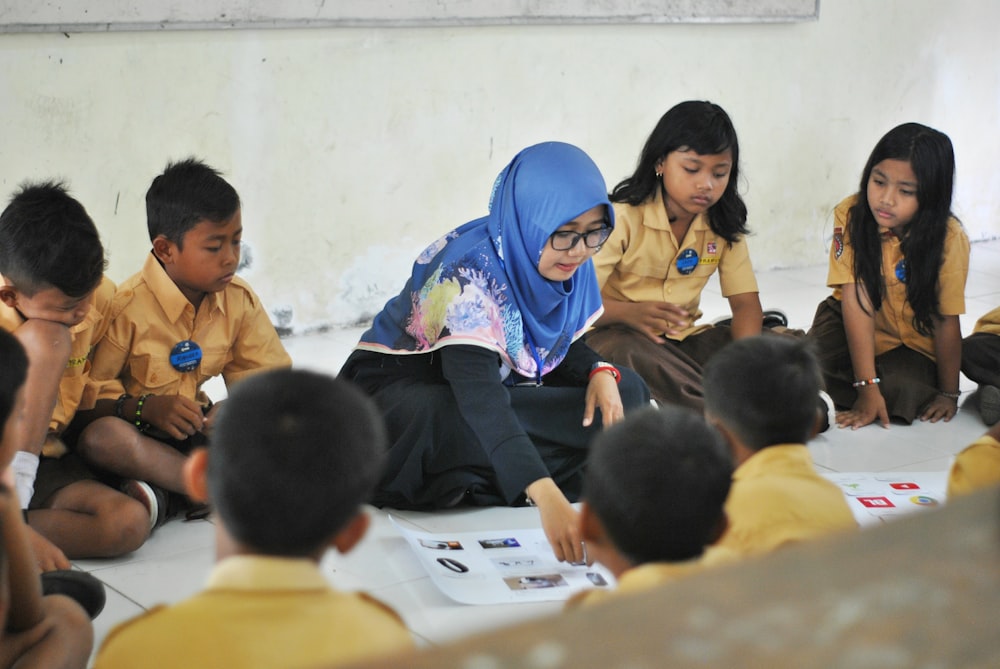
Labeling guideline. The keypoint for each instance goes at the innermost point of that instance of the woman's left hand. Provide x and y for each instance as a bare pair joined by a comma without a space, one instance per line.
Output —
940,408
602,393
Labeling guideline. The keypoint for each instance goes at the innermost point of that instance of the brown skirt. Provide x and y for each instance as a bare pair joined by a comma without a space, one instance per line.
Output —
908,378
672,370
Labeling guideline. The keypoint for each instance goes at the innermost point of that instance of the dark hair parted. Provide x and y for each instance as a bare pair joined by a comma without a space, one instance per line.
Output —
293,455
764,389
932,159
13,372
187,193
658,482
706,129
47,239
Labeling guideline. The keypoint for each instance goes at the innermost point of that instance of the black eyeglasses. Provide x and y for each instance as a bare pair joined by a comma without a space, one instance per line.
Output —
564,240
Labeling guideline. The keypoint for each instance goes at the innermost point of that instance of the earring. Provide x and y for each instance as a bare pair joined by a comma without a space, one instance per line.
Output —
659,175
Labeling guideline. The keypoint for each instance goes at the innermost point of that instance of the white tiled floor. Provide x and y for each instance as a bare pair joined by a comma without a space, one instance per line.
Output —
175,561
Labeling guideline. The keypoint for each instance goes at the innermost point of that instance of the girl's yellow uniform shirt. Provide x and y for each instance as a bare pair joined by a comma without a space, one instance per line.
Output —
894,320
639,262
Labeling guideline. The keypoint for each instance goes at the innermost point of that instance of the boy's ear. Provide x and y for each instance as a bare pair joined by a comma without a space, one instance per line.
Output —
348,537
164,249
196,475
817,425
736,447
8,295
591,529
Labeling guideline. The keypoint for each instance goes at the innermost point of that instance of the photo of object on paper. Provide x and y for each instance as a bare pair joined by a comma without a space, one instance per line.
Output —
441,545
500,567
536,582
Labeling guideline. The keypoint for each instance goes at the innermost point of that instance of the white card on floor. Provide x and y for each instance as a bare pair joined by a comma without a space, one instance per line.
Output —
875,497
500,566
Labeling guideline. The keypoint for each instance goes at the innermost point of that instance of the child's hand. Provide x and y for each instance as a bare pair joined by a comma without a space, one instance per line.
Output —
178,416
869,406
654,319
940,408
602,393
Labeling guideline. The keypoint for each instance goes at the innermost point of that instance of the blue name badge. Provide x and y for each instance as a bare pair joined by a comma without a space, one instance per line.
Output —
185,356
901,270
687,260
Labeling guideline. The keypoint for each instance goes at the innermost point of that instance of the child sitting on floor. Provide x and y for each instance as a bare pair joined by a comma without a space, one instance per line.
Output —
761,394
654,492
35,631
981,363
183,319
977,466
294,455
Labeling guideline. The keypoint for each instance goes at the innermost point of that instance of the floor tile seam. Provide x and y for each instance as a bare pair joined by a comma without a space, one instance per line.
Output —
124,596
891,470
118,564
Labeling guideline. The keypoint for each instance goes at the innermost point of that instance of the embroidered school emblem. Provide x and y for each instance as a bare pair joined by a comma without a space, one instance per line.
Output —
838,242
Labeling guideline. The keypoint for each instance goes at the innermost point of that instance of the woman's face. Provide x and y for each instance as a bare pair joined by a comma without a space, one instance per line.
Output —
892,195
560,265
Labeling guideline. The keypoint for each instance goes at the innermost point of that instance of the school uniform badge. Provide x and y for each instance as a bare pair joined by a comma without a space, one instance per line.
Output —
838,242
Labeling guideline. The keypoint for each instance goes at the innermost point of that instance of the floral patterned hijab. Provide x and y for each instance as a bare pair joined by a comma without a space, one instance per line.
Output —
479,284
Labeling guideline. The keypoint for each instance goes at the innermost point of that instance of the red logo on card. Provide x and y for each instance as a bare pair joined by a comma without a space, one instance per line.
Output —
876,502
904,486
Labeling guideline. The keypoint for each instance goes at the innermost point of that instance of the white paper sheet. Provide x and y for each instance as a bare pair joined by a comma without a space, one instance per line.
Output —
500,566
877,497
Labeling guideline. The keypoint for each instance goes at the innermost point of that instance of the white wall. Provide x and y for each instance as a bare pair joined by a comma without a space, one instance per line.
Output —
352,148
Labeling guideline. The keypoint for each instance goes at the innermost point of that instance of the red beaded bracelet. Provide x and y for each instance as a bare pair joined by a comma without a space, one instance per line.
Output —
605,367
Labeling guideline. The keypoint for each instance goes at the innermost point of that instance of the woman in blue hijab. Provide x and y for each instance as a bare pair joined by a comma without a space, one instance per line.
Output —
490,395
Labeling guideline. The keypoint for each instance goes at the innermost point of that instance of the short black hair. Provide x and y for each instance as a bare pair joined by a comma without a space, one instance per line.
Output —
293,455
765,389
13,373
658,482
188,192
47,239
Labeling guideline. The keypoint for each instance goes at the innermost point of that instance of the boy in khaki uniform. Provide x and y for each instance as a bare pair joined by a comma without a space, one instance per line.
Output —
981,363
759,392
182,320
294,455
54,299
654,495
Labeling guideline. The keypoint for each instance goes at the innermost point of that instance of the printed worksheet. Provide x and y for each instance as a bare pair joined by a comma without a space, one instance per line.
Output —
500,567
878,497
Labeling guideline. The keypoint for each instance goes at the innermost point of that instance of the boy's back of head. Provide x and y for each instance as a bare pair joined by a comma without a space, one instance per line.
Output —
293,455
47,239
658,483
187,193
764,390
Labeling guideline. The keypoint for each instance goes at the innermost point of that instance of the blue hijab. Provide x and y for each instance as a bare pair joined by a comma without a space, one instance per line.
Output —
479,284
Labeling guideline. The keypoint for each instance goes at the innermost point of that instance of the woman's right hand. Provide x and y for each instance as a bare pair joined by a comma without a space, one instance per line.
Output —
869,406
560,521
